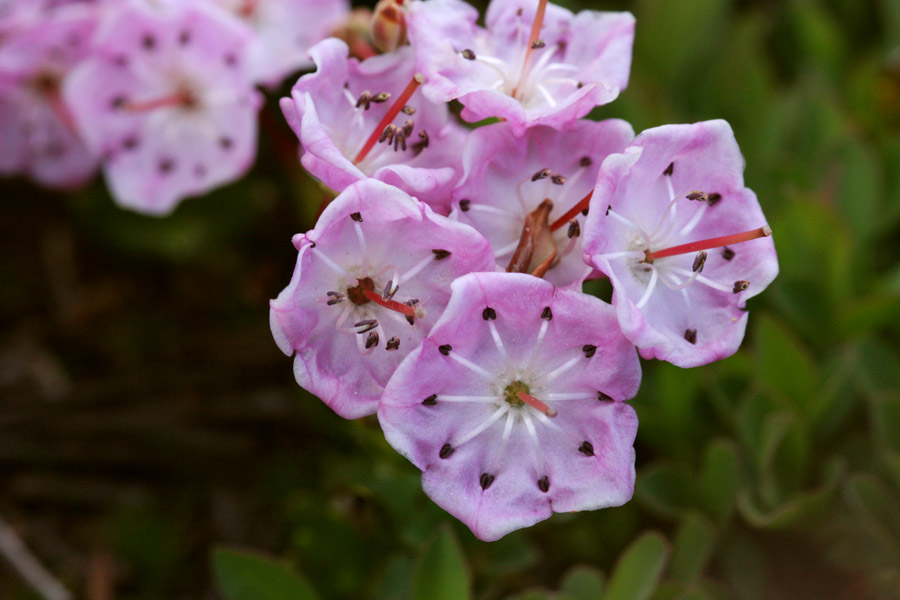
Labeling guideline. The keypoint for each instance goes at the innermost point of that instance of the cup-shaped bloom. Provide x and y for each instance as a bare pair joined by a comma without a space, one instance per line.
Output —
507,178
38,48
683,242
534,64
371,279
284,30
338,110
165,101
513,406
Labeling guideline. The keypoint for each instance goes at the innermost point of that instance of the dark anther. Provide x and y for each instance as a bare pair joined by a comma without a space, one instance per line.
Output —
372,339
389,290
486,480
585,211
542,174
166,165
225,142
698,196
366,325
184,38
464,204
580,85
669,170
544,484
468,54
399,142
558,179
130,143
699,261
440,254
230,59
690,335
589,350
149,42
586,161
546,314
392,344
445,349
410,320
489,314
200,173
574,229
118,102
446,450
740,286
381,97
714,199
365,99
408,127
356,217
538,44
388,134
727,253
409,110
334,298
421,144
311,244
604,397
586,448
430,400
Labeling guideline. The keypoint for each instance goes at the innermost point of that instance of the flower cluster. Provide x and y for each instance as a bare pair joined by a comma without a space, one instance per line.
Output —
159,93
442,288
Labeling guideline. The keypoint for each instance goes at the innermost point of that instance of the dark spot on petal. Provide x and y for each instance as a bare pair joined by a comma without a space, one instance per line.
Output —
440,254
445,349
714,199
230,59
589,350
131,142
166,166
727,253
184,37
446,450
586,161
669,170
392,344
690,335
117,102
604,397
740,286
489,314
148,42
430,400
464,205
544,484
546,314
226,142
356,217
486,480
586,448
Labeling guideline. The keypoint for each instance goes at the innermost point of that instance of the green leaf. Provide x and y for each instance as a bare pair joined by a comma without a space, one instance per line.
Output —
638,569
246,575
891,462
886,420
692,547
875,506
583,583
440,572
718,480
664,488
860,188
786,368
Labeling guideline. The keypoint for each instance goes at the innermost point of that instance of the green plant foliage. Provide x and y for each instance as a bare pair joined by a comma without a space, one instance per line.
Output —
246,575
440,572
638,568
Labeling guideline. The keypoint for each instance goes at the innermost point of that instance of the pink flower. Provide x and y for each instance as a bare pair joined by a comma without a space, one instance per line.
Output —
513,405
284,31
371,280
38,49
166,102
507,178
683,242
339,114
534,64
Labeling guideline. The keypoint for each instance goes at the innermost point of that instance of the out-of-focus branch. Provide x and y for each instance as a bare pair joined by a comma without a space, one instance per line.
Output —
31,570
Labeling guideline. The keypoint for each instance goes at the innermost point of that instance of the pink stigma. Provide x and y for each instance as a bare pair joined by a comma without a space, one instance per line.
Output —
536,404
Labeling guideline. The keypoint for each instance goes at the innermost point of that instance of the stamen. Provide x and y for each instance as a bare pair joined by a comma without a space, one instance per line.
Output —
716,242
740,286
483,425
727,253
365,326
586,448
558,179
177,99
389,116
334,298
400,307
365,99
497,341
538,44
532,38
536,404
651,285
556,397
372,339
392,344
468,54
699,261
469,365
416,268
669,170
572,212
489,314
561,369
542,174
574,229
476,399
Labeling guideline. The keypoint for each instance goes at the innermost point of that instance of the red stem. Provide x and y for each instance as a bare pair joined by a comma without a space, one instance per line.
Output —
401,308
715,242
392,112
570,214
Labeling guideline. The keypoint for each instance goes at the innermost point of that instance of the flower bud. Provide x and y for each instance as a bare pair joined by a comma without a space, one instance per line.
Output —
388,25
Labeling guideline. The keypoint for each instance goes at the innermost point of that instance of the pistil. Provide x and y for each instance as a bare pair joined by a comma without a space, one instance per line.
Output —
572,212
716,242
389,116
536,404
177,99
404,309
532,39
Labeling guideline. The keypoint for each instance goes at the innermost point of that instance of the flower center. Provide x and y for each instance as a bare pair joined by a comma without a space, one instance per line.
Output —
357,294
512,391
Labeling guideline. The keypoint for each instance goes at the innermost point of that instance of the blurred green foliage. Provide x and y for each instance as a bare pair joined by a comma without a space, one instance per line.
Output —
772,475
